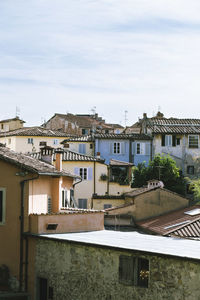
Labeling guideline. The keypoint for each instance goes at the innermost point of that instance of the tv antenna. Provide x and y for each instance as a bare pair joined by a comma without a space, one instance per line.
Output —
17,112
125,117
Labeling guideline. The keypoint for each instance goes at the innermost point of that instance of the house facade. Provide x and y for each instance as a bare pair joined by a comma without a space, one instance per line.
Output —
31,139
119,265
27,186
133,148
178,138
11,124
83,124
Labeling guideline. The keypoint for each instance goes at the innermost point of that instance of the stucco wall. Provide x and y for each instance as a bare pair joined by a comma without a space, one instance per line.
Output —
74,146
156,203
82,272
99,203
20,143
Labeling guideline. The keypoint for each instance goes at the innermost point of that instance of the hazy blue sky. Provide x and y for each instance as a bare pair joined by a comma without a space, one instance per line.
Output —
71,55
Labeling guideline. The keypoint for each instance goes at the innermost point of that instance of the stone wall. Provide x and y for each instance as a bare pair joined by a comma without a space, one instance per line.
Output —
77,271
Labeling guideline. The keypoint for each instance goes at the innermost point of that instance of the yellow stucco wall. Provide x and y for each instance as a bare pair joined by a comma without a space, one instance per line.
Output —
99,203
20,143
11,125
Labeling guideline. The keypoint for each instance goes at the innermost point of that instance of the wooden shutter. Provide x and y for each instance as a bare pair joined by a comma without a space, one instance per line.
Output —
147,148
111,147
89,173
133,147
163,141
76,171
174,140
122,147
83,148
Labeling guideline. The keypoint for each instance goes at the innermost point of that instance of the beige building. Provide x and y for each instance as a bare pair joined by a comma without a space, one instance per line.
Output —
11,124
27,186
145,203
31,139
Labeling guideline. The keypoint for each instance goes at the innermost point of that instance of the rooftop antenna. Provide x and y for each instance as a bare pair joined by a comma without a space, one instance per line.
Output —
17,112
125,117
93,110
159,108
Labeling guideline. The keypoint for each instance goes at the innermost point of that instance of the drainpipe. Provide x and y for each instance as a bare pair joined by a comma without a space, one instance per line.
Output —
22,184
108,180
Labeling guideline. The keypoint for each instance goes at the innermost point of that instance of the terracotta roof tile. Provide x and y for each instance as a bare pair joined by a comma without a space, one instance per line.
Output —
35,131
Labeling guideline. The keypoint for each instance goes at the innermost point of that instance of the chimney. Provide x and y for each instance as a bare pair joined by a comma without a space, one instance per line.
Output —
47,154
144,115
58,164
98,156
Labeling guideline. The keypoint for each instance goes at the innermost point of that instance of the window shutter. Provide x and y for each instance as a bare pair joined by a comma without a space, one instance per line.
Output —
111,147
89,173
163,141
122,147
173,140
76,171
80,148
147,149
84,148
133,147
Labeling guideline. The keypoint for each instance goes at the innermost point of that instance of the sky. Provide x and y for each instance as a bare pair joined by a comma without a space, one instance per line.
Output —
111,56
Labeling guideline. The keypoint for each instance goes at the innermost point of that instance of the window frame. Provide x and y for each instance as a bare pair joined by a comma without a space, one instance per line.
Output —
83,173
189,144
3,209
189,168
142,150
131,271
83,200
117,148
55,142
30,141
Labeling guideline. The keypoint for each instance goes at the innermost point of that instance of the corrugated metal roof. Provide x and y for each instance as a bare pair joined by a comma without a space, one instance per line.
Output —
134,241
169,222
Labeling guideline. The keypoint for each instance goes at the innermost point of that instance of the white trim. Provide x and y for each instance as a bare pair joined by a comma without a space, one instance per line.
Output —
4,206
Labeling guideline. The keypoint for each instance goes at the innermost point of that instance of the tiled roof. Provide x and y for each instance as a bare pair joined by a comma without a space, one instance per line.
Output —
79,211
68,155
86,138
134,136
31,164
114,162
169,222
35,131
13,119
173,125
115,125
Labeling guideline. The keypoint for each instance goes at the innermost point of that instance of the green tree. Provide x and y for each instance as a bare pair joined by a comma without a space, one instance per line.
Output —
162,168
195,188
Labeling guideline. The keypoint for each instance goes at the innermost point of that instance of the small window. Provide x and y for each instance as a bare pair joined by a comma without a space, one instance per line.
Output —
2,205
30,140
140,148
43,143
190,170
65,198
133,271
193,141
55,142
117,148
66,145
83,173
107,206
106,131
1,126
91,146
82,203
178,141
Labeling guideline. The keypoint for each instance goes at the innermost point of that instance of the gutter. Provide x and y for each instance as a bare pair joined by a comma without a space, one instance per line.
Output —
22,184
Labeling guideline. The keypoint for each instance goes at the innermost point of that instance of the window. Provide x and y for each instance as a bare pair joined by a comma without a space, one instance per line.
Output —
117,148
1,126
133,271
65,199
45,292
91,146
140,148
107,206
43,143
83,173
85,131
178,141
106,131
190,170
82,203
30,140
2,205
55,142
167,140
193,141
